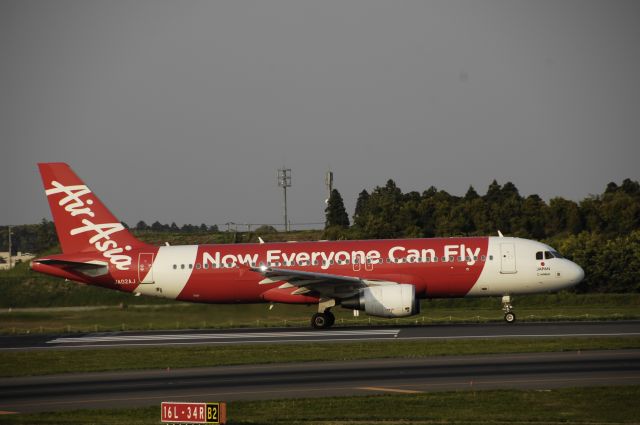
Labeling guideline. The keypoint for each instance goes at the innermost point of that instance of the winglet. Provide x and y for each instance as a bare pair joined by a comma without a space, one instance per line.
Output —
500,234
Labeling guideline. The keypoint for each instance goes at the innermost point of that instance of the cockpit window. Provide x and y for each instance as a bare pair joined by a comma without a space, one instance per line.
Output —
547,255
552,254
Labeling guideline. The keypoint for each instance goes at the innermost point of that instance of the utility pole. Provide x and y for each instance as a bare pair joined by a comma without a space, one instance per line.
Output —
284,181
9,233
328,181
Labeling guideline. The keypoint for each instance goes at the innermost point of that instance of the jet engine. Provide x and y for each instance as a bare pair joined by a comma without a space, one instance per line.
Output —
385,301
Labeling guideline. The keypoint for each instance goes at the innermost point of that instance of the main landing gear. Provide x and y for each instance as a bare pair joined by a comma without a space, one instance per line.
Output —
509,315
324,318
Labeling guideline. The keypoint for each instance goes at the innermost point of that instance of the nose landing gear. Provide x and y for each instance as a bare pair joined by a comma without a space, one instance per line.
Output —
509,315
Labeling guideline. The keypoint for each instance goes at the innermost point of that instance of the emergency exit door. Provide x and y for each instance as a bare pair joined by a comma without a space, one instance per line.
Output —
145,267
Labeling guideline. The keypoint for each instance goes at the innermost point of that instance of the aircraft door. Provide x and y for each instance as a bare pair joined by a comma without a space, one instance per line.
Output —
145,267
356,265
368,265
507,258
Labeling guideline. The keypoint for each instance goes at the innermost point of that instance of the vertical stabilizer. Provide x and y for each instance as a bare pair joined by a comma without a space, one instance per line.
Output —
82,221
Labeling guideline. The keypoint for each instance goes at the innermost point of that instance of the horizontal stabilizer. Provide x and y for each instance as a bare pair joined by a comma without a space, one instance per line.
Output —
89,268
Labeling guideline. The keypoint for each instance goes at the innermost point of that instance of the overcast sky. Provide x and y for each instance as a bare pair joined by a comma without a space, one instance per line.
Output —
182,111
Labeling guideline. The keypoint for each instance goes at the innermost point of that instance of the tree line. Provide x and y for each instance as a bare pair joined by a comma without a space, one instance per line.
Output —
601,232
156,226
387,212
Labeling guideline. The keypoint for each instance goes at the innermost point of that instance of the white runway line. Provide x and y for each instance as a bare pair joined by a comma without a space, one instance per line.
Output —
223,336
525,336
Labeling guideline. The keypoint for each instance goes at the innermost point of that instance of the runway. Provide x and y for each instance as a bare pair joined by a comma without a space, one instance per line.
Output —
336,335
404,376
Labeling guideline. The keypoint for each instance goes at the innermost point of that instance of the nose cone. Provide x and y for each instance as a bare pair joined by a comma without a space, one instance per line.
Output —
576,274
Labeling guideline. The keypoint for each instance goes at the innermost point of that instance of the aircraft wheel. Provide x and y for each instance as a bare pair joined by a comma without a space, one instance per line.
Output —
321,320
510,317
331,318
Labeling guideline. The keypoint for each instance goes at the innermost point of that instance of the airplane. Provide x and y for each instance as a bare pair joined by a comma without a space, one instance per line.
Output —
383,278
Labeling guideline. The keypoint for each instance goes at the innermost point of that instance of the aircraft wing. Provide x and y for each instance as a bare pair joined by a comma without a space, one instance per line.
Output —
311,283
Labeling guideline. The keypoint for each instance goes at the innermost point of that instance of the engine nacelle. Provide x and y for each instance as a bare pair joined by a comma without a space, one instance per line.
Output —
385,301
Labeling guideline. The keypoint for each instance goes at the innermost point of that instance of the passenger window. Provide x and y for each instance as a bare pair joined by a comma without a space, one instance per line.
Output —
539,255
491,258
182,266
198,266
206,266
175,266
483,258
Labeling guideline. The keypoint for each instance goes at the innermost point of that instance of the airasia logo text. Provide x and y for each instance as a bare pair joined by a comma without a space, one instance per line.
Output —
100,234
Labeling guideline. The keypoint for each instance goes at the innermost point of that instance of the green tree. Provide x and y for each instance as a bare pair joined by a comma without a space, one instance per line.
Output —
471,194
141,225
532,218
383,207
361,211
610,264
335,213
563,216
46,235
265,229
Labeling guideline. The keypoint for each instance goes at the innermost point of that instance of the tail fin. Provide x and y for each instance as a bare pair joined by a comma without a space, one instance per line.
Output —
82,221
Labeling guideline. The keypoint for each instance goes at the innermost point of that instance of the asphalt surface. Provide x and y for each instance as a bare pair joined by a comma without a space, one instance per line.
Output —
291,335
405,376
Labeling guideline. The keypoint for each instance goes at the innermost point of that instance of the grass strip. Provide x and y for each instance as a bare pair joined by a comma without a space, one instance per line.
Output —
201,316
25,363
599,405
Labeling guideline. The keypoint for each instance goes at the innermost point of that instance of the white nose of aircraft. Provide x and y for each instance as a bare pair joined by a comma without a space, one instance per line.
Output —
575,274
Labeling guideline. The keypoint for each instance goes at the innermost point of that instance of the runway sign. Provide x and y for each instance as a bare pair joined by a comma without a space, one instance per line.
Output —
193,413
